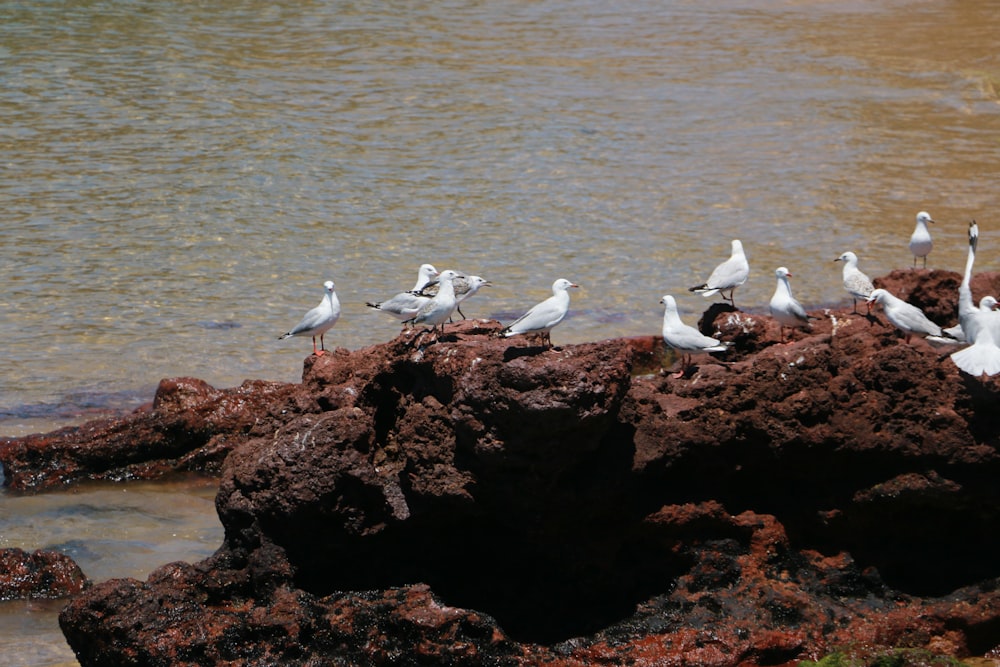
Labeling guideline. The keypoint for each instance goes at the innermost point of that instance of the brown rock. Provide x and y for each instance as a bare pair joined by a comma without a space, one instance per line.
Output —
42,574
484,501
190,426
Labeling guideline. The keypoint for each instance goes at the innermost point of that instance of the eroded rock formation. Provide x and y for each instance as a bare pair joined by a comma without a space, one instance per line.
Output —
478,500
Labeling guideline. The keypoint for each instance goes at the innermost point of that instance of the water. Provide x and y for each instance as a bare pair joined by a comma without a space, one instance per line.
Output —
177,179
110,530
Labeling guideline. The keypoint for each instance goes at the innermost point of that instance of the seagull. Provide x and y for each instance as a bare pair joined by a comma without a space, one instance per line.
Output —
404,306
857,284
979,326
967,311
686,339
906,317
464,288
784,308
319,320
920,241
727,276
438,310
542,317
983,356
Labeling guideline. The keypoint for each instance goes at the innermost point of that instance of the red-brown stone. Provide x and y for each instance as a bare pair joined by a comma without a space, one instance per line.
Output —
484,501
41,574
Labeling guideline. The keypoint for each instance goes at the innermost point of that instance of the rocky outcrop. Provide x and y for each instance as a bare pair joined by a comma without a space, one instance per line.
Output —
188,426
475,500
41,574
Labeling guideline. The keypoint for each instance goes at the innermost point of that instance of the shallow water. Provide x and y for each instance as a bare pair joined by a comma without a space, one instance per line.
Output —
110,530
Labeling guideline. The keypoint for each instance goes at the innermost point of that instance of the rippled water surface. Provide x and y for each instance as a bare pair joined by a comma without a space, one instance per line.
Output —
178,179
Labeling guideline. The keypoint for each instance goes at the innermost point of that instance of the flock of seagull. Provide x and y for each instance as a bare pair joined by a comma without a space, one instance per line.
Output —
432,301
436,295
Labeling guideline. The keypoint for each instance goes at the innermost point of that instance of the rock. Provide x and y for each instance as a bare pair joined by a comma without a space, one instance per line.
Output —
42,574
484,501
189,426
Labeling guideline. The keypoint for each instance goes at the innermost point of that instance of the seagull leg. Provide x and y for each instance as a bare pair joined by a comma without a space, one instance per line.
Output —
459,309
314,347
685,365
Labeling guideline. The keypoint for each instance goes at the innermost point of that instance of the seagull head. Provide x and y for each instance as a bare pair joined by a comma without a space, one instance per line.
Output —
562,285
848,257
877,296
782,272
475,282
328,285
924,217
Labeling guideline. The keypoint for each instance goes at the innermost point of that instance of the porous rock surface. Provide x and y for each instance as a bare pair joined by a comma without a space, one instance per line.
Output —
484,501
39,574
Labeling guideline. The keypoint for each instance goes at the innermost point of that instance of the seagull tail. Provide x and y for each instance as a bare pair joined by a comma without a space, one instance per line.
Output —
284,335
376,306
704,290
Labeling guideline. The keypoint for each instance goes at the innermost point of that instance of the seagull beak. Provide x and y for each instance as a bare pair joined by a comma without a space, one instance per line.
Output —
574,285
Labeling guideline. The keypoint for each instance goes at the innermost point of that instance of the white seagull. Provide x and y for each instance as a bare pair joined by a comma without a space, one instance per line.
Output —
683,338
727,276
906,317
438,310
920,241
541,318
979,326
784,308
983,356
319,320
967,311
464,288
857,284
404,306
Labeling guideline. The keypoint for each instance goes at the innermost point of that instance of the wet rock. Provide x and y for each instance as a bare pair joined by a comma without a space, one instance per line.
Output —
42,574
189,426
481,501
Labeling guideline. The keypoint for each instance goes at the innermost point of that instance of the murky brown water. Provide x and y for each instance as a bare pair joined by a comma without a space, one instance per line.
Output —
178,179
